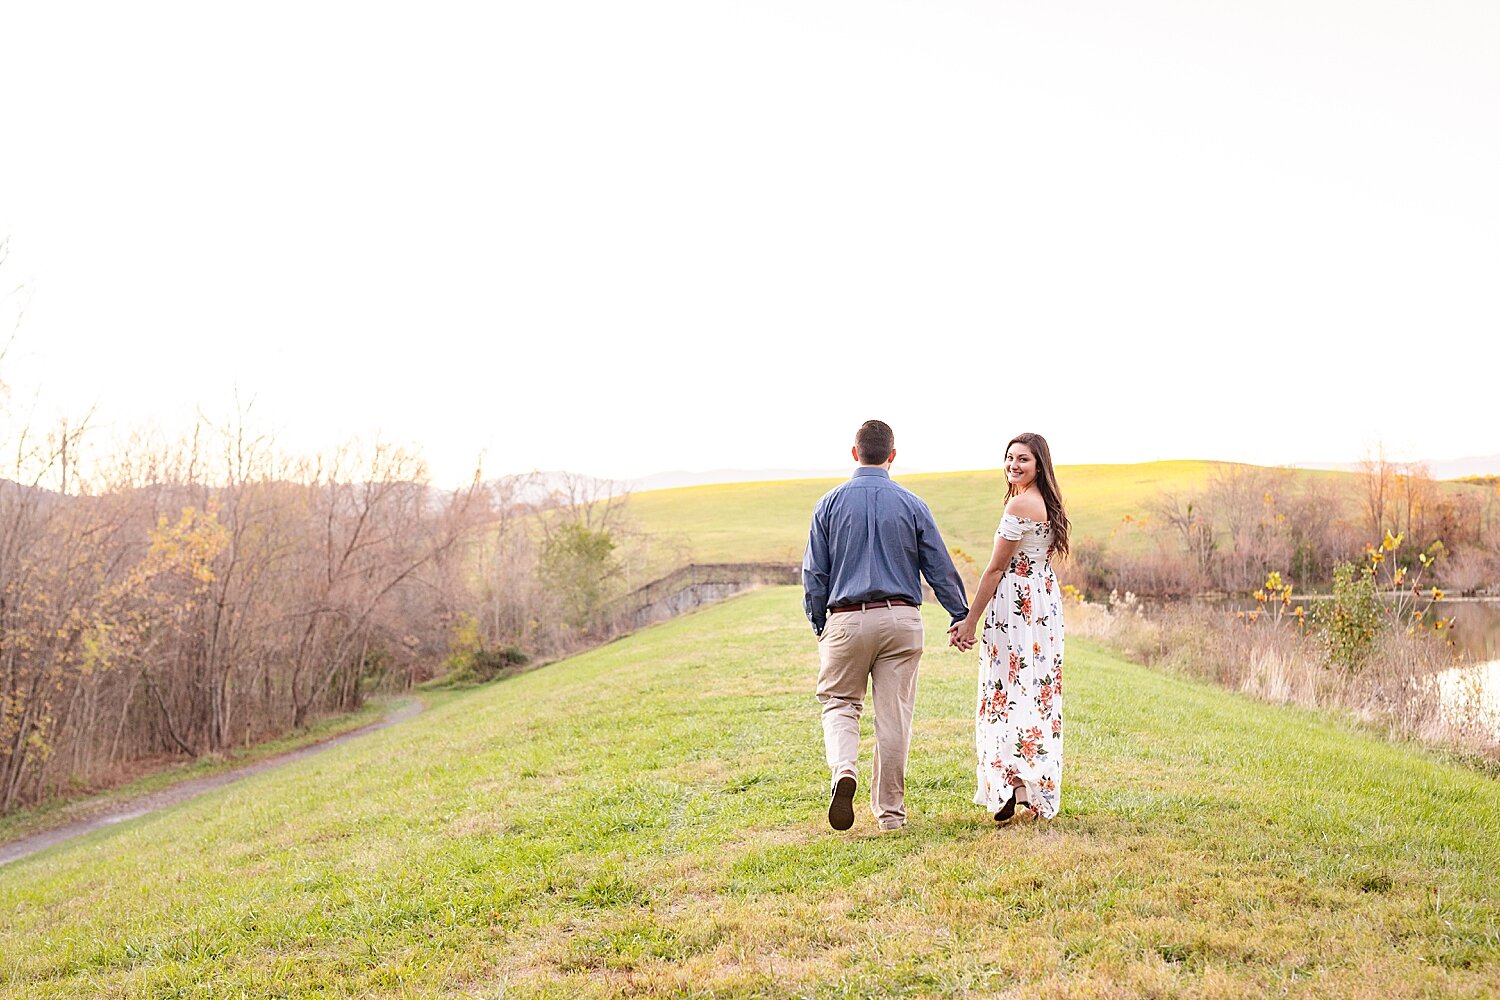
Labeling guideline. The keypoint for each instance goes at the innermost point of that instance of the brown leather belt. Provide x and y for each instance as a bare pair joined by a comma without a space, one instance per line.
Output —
867,605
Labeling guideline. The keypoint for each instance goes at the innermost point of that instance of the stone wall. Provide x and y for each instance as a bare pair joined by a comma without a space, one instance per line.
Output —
695,586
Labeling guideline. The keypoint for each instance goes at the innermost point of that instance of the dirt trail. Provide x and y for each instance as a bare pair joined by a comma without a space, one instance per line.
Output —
119,812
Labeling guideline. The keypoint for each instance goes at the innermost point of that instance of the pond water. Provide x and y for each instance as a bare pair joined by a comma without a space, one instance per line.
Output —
1476,627
1473,691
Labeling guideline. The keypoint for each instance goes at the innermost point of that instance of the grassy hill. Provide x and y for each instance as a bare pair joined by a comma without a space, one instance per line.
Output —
647,819
744,522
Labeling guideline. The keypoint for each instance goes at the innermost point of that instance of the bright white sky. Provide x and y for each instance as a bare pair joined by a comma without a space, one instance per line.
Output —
626,237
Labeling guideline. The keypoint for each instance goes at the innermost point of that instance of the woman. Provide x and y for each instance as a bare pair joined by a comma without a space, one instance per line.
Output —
1019,719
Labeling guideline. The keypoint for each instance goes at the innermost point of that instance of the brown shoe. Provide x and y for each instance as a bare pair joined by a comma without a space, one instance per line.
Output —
841,807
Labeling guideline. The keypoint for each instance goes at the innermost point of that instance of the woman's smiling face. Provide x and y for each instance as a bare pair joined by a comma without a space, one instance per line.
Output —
1020,466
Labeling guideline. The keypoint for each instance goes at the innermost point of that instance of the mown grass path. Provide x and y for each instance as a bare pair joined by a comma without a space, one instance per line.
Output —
647,819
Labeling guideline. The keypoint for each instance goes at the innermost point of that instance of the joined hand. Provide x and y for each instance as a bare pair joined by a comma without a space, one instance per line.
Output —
961,634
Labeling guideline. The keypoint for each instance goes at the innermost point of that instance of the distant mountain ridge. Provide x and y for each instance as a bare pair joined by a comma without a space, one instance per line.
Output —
1439,468
684,477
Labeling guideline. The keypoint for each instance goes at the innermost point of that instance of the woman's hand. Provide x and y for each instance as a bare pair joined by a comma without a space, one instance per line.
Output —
961,634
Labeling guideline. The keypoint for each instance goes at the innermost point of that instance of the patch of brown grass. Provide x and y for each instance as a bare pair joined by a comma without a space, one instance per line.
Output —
1280,662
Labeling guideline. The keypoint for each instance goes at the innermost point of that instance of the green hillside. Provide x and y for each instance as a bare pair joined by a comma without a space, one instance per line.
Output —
753,522
647,819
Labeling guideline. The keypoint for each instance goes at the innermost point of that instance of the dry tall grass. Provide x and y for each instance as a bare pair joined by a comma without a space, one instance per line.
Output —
1397,690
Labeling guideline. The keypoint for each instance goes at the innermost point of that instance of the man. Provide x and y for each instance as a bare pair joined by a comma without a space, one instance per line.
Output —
868,541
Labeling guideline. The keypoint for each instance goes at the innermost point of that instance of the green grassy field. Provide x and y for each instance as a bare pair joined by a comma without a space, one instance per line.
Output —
648,819
755,522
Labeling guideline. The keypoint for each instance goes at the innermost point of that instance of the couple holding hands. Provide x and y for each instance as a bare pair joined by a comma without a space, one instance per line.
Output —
870,539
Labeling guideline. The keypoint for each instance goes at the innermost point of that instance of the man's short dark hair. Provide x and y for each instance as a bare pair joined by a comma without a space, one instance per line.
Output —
874,441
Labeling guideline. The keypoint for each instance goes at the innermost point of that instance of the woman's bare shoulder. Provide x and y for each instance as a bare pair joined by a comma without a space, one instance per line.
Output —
1028,507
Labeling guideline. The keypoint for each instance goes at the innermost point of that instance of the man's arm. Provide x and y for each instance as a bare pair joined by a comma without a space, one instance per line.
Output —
937,567
816,567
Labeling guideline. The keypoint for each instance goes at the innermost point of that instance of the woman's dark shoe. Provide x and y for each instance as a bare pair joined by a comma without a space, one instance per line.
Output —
841,807
1007,812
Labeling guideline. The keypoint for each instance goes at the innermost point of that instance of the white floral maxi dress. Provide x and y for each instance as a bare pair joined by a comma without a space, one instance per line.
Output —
1018,726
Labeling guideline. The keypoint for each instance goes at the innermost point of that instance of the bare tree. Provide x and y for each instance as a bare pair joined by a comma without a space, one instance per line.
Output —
1379,489
1192,524
57,559
366,549
573,498
1256,538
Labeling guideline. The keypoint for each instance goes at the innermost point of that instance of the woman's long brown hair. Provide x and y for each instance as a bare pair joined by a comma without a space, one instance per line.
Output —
1046,481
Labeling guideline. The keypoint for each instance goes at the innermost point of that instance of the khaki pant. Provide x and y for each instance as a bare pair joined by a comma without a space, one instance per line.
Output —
883,646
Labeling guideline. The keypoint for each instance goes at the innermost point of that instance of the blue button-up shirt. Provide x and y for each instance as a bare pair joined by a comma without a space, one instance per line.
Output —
869,539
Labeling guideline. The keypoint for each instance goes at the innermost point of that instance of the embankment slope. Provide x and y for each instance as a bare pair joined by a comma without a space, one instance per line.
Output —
647,819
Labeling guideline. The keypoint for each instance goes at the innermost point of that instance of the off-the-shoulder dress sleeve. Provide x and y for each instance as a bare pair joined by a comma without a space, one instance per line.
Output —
1011,528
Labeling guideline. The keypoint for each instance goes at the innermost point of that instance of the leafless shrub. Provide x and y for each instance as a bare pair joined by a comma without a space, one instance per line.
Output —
1470,570
1156,570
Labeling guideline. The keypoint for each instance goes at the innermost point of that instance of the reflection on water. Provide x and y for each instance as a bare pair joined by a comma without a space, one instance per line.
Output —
1476,627
1473,693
